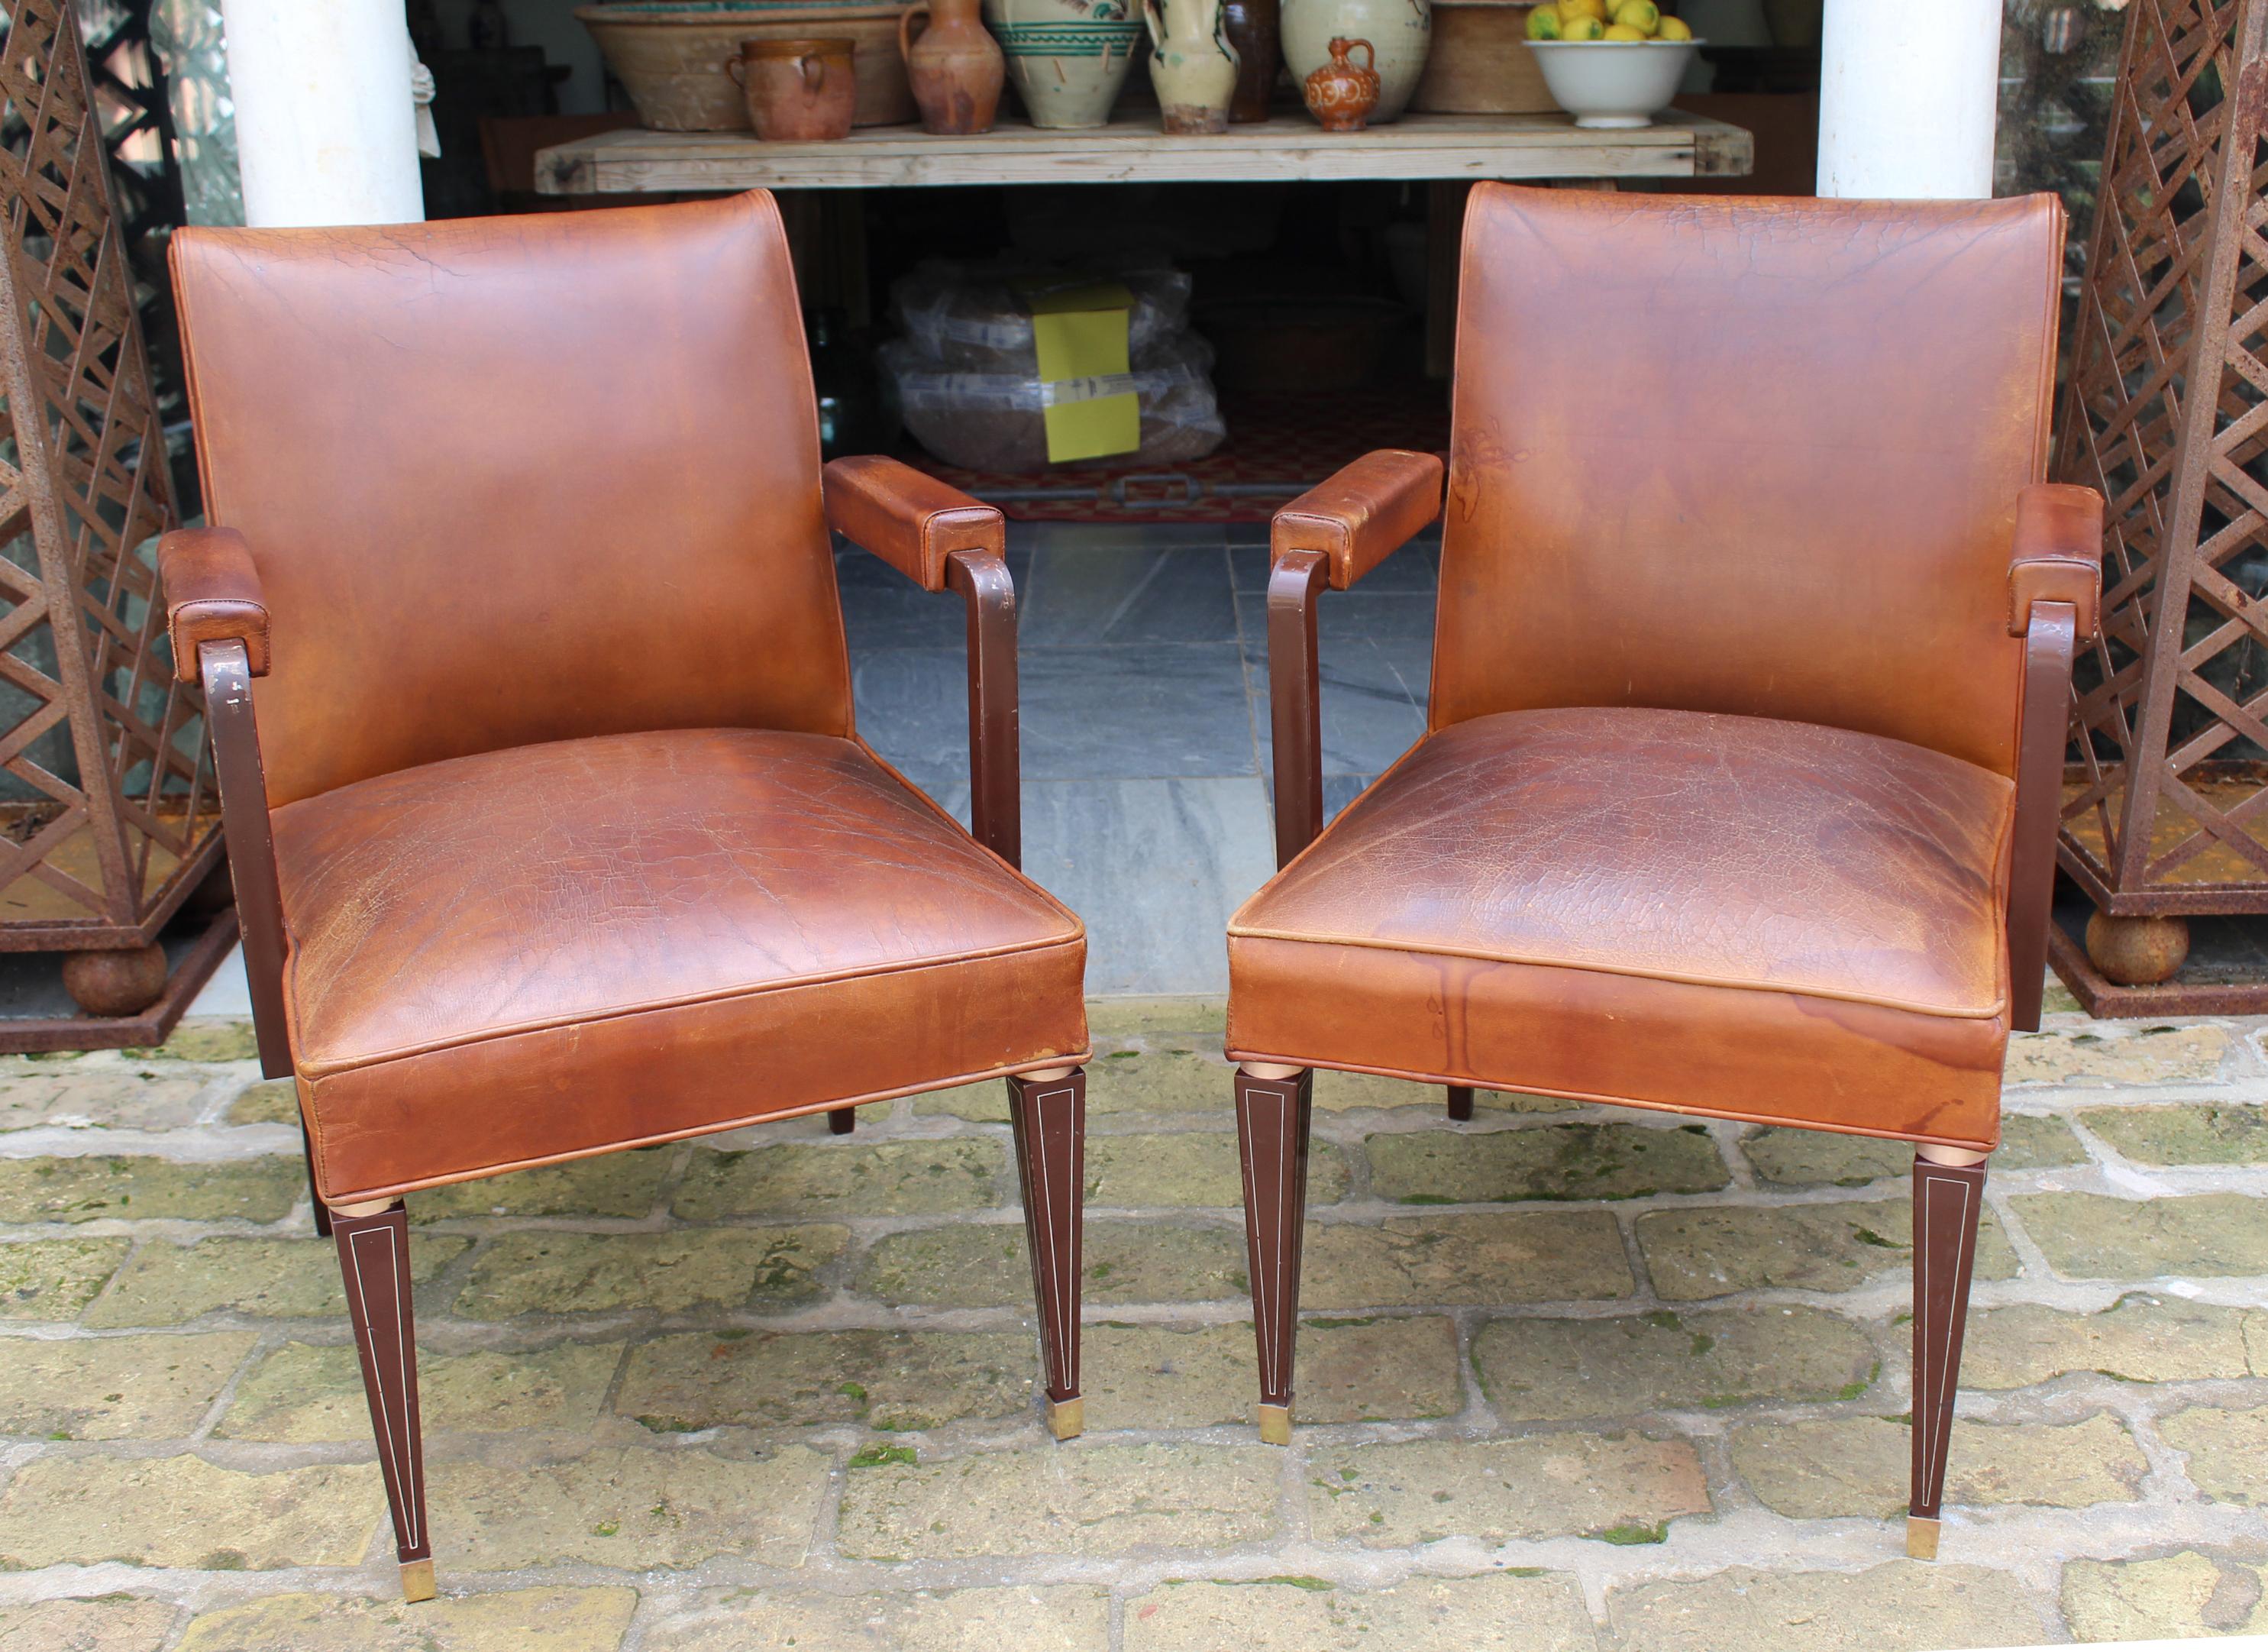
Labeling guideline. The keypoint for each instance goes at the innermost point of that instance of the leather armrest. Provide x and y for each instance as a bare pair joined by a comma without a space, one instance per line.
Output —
1364,514
910,520
2058,555
212,594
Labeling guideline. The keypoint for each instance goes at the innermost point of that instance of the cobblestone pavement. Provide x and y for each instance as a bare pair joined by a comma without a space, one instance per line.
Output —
1572,1378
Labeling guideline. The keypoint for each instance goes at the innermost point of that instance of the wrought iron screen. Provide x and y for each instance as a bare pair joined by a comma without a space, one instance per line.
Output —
2166,412
107,809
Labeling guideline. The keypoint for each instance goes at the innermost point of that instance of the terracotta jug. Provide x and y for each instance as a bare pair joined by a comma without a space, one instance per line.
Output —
1192,65
1253,27
1339,94
1400,33
955,67
798,90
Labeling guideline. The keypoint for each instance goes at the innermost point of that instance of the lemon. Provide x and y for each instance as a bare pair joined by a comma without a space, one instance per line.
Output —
1543,23
1622,32
1571,10
1581,29
1675,29
1642,15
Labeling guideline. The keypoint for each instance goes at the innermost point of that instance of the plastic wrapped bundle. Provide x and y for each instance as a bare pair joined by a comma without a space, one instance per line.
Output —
978,317
997,421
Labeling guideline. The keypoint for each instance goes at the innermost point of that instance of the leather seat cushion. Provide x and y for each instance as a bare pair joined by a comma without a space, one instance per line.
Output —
1733,916
557,949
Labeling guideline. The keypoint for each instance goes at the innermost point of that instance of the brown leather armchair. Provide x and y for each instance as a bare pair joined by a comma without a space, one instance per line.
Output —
550,830
1751,669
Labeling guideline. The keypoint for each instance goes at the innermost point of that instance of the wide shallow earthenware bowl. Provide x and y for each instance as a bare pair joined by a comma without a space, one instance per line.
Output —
671,58
1613,83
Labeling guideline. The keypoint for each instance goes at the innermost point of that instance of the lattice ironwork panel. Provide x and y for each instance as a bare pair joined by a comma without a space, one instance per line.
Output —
2166,412
133,105
108,814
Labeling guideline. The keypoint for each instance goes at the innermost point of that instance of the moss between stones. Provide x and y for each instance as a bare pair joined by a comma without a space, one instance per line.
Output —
1630,1534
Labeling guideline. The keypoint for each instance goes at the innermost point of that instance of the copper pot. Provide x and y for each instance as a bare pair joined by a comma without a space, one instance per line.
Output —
798,90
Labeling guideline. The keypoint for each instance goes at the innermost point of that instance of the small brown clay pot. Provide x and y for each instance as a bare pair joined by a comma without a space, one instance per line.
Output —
1340,95
955,67
799,92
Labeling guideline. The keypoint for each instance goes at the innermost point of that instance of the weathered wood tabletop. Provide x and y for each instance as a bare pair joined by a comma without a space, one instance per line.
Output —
1134,151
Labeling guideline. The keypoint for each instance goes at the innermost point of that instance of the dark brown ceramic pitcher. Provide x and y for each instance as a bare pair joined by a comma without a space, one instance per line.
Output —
1254,29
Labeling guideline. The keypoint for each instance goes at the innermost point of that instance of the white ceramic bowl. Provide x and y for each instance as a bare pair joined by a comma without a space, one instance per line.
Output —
1613,83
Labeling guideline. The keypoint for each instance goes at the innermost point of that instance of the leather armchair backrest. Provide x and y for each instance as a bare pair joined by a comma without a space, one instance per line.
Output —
1753,456
516,479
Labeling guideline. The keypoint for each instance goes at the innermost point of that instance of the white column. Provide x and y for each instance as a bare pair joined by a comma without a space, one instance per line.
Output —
1908,92
324,129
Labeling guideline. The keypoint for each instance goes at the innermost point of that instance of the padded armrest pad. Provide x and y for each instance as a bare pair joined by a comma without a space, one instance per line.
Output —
1364,514
910,520
212,594
2058,555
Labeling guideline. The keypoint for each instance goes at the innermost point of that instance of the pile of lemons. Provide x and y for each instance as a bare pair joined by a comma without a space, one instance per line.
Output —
1604,20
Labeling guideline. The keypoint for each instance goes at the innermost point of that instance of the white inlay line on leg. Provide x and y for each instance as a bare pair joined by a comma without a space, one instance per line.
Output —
1942,1396
1063,1282
404,1481
1262,1295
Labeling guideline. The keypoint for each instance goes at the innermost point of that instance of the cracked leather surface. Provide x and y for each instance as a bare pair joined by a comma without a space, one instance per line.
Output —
584,878
1715,915
516,479
512,957
1784,480
1724,851
1712,915
1729,915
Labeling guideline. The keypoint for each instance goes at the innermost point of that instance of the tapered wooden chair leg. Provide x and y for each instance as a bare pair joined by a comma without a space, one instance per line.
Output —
315,1193
1461,1102
841,1121
1272,1131
1048,1113
374,1258
1947,1199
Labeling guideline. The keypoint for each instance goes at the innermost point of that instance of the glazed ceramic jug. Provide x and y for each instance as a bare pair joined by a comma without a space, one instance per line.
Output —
1068,58
1342,93
1400,31
954,67
1192,65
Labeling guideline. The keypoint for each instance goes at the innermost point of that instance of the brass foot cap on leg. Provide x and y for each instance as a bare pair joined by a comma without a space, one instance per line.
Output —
1275,1425
417,1581
1921,1538
1067,1418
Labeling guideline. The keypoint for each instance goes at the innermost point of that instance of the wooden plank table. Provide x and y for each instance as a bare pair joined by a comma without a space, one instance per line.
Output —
1432,147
